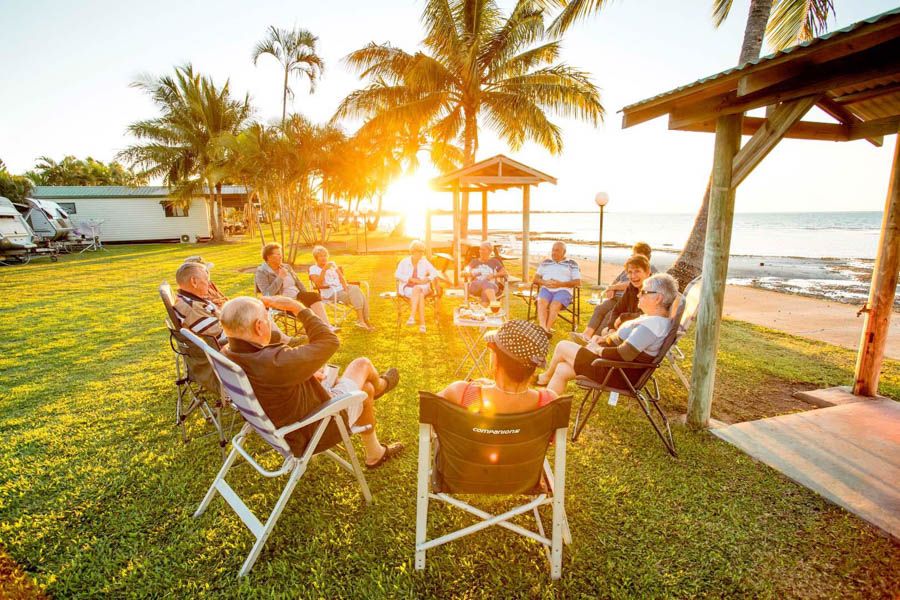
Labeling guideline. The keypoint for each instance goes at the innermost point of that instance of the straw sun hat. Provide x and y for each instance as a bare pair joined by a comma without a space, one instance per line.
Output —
522,341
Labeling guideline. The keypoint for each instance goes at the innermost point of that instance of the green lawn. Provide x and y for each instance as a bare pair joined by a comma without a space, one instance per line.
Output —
97,491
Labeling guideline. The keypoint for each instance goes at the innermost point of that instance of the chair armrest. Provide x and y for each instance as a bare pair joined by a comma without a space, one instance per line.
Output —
620,364
327,409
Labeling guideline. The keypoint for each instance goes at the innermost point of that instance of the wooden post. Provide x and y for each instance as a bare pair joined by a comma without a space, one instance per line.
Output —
526,223
715,268
484,217
428,233
881,294
456,233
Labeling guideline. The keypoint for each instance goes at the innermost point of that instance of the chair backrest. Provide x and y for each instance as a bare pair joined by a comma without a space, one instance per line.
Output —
691,305
168,300
235,383
491,454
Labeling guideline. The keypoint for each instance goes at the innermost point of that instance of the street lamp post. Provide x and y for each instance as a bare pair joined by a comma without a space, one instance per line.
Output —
601,199
365,213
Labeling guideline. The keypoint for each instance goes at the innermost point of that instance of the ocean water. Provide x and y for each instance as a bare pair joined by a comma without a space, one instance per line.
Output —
843,235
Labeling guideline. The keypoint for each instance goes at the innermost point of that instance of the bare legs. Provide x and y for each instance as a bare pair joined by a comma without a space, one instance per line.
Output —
417,305
547,313
363,373
319,310
561,369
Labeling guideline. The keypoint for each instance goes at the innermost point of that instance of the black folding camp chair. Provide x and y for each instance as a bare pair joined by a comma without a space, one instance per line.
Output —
195,394
570,314
493,455
632,379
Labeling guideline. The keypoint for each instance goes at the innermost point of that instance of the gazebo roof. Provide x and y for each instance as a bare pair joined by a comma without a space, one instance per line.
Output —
855,71
496,173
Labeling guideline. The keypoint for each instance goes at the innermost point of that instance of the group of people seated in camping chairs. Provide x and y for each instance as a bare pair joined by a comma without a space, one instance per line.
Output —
289,380
287,373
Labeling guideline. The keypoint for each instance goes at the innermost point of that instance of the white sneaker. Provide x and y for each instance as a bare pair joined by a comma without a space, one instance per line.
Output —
410,322
421,329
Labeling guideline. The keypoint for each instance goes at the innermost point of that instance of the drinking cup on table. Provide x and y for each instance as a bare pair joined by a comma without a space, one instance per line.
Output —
495,307
331,373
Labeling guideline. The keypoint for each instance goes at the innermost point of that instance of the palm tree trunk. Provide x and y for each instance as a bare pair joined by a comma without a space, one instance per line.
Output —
211,215
378,210
689,263
284,95
470,147
220,212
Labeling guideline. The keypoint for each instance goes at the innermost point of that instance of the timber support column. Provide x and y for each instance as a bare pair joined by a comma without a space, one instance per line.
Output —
484,217
881,294
457,223
526,223
715,269
428,249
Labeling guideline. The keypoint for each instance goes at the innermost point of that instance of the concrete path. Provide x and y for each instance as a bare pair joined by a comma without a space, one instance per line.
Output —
848,454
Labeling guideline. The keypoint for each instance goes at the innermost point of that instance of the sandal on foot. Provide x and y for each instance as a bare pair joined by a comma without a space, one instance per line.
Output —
390,451
391,378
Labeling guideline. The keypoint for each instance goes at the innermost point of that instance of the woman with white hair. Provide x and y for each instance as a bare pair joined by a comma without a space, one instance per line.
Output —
638,340
414,276
329,280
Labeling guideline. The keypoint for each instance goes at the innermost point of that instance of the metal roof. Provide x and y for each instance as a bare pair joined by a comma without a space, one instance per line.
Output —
115,191
495,173
878,106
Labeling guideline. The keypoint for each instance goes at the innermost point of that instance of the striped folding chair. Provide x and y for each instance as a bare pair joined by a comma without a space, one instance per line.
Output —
235,382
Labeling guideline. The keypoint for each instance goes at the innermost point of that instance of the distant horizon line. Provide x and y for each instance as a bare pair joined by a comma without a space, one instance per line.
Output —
594,212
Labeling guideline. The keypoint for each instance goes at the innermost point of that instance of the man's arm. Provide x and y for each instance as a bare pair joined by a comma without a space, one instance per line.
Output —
301,363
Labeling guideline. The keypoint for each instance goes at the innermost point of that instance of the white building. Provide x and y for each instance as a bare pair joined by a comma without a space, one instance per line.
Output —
135,214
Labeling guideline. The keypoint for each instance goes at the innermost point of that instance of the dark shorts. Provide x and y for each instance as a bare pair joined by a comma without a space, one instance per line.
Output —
583,367
309,298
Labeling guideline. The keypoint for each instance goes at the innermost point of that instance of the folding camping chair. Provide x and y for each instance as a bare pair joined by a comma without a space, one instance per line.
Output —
339,310
234,380
632,379
691,304
570,314
287,322
192,394
400,301
493,455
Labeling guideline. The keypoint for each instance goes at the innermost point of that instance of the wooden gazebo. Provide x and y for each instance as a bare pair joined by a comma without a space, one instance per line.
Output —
853,75
496,173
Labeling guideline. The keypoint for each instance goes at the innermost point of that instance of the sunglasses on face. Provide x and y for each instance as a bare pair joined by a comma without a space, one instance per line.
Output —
646,293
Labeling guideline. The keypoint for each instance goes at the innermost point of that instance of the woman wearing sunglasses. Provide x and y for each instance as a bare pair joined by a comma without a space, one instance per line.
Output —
638,340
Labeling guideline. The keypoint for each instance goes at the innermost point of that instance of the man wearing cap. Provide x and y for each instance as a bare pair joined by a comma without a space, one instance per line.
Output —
517,349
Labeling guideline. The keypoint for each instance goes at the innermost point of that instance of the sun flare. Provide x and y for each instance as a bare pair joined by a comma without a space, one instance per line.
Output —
410,196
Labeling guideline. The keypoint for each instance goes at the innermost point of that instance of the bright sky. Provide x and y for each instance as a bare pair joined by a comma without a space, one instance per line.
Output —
67,68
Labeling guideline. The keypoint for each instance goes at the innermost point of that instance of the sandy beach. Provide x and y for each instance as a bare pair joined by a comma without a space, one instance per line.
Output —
814,318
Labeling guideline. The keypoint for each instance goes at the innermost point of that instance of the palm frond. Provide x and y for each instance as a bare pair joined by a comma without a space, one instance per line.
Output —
795,21
720,11
574,11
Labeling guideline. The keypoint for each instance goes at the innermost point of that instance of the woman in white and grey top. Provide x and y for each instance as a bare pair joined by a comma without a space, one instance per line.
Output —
638,340
329,280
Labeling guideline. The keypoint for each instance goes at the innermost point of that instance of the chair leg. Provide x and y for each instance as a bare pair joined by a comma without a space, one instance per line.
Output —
351,452
591,397
232,456
422,492
662,429
296,474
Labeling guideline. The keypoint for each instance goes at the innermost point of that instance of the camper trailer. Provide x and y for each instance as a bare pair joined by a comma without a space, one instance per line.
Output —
48,220
17,242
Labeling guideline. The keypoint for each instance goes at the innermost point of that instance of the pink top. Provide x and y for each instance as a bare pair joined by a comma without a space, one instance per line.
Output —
472,394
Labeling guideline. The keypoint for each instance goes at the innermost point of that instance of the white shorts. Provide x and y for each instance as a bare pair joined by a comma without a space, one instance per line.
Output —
342,387
408,291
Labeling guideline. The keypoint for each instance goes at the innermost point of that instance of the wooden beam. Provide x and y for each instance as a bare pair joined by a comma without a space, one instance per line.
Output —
484,215
875,129
715,268
495,180
882,291
818,79
875,92
526,225
783,117
844,116
428,233
802,130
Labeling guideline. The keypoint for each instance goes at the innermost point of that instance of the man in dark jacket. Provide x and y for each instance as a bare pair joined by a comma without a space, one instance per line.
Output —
288,381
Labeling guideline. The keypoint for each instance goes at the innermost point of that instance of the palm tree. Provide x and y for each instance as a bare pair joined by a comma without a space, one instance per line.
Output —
296,51
180,146
785,22
477,67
